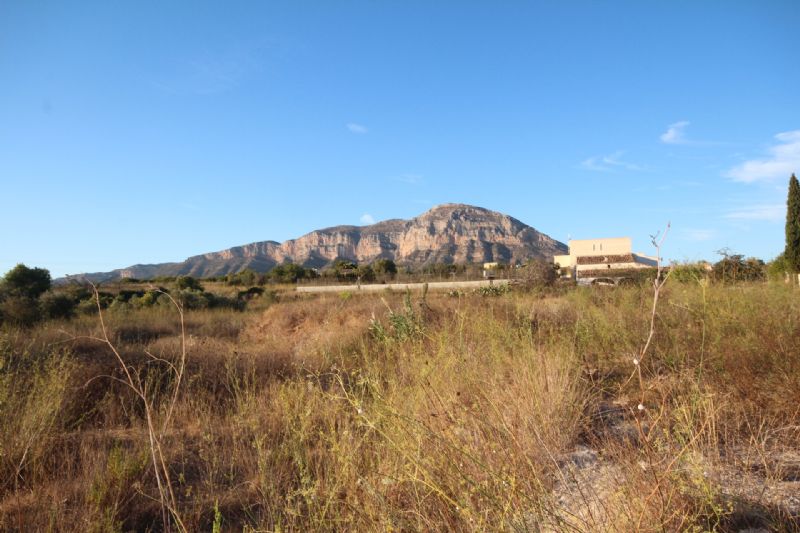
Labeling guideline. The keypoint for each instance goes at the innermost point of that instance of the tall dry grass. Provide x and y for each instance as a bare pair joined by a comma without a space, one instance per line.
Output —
513,412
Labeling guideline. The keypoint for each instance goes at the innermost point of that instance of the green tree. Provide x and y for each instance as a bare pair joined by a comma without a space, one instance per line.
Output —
289,273
56,305
343,270
384,267
25,282
20,311
734,267
778,268
688,272
188,283
792,253
20,290
365,273
442,270
538,273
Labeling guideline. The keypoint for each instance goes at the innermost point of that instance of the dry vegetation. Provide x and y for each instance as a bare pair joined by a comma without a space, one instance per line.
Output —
461,412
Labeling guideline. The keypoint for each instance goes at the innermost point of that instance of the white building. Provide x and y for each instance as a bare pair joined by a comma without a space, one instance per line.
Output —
592,259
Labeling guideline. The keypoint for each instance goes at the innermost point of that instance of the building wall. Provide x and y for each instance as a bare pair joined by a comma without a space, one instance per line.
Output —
646,260
608,254
610,267
564,260
611,246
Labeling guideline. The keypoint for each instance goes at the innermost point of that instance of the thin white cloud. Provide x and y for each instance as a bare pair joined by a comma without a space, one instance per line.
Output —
411,179
212,72
356,128
699,235
769,212
367,219
675,133
783,160
190,206
608,163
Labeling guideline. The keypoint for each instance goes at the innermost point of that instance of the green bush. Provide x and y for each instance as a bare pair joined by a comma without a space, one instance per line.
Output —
443,269
688,272
778,268
365,273
193,300
494,290
148,299
188,299
734,267
538,274
56,305
290,273
20,311
246,277
342,270
88,306
403,325
188,283
385,268
26,282
250,293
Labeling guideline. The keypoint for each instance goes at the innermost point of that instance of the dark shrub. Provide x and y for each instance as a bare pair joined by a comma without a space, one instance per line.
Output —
250,293
20,311
385,268
538,273
55,305
365,273
26,282
188,283
290,273
733,268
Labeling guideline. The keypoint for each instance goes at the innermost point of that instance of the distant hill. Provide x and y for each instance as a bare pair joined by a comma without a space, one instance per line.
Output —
448,233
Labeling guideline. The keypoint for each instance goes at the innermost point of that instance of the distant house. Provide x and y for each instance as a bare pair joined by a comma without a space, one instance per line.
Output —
490,270
595,259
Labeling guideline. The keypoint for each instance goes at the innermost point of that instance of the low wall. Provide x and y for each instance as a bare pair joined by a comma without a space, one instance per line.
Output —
402,286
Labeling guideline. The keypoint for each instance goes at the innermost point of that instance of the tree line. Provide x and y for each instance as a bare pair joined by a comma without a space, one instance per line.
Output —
27,295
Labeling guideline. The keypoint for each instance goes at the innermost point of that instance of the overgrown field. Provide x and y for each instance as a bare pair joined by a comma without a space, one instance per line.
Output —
452,412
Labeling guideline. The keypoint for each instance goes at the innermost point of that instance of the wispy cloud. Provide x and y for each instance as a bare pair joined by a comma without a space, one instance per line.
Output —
411,179
783,159
356,128
191,206
699,235
367,219
769,212
675,133
608,163
213,72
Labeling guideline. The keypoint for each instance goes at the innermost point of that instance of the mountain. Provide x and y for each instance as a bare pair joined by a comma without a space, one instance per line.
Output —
448,233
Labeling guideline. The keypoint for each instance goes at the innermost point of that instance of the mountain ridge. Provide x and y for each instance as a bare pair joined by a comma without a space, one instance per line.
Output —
446,233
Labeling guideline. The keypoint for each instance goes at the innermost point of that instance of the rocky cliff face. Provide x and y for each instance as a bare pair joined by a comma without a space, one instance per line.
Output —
449,233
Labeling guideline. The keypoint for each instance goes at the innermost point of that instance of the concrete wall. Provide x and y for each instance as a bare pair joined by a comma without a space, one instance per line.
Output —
611,246
564,260
596,247
610,267
376,287
646,260
600,249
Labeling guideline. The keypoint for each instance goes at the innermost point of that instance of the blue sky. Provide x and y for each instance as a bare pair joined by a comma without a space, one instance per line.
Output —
142,132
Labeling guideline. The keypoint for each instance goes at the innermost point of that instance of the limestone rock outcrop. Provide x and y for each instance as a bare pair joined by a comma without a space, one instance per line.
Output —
448,233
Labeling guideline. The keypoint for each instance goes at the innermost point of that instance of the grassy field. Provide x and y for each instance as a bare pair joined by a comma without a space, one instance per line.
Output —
515,411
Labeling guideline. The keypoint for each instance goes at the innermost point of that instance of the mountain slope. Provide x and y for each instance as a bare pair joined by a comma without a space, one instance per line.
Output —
448,233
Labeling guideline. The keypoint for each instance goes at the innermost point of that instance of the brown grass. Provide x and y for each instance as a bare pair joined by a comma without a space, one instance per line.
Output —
382,412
